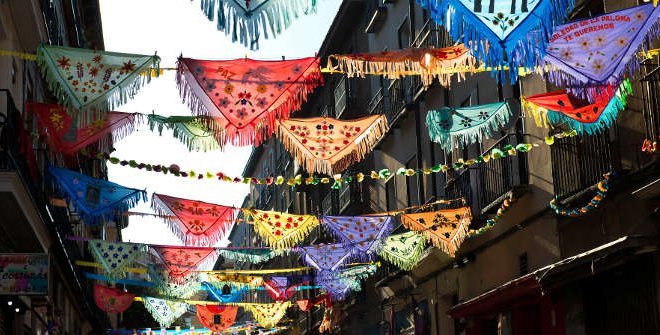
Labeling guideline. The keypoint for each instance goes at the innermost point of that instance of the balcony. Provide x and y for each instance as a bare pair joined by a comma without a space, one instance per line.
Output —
376,13
398,98
578,163
651,99
377,103
485,185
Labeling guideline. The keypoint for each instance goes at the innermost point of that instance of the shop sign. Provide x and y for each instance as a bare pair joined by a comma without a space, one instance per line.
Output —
24,274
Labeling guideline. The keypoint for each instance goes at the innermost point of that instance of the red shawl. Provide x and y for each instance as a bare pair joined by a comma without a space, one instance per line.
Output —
306,304
64,135
112,300
180,261
217,318
196,223
572,106
245,97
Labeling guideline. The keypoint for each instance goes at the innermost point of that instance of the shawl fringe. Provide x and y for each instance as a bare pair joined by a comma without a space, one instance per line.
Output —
455,242
364,145
165,322
181,132
268,321
375,244
251,258
288,241
406,264
270,19
251,134
117,96
518,48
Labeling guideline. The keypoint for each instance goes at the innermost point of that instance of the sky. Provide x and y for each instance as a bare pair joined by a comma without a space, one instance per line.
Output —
178,27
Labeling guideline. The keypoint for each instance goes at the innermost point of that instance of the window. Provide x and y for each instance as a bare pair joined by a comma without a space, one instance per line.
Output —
412,183
404,34
390,193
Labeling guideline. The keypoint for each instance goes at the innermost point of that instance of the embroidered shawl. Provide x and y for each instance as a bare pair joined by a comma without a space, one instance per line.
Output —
497,32
339,288
235,280
600,50
281,230
364,233
268,315
189,130
168,288
326,257
65,136
114,257
196,223
562,107
95,199
306,304
253,256
242,99
216,294
446,228
247,21
112,300
163,311
280,288
404,250
181,261
329,146
428,63
216,318
95,81
459,127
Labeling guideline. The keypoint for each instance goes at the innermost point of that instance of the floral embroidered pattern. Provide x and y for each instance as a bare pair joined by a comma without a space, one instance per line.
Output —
365,233
446,229
281,230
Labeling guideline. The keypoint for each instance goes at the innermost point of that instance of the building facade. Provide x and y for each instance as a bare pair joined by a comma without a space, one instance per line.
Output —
535,272
32,220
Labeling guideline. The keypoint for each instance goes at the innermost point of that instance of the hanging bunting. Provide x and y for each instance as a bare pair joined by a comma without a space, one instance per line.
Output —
281,289
64,134
217,294
428,63
181,261
561,107
189,130
281,230
365,233
268,315
601,193
169,288
237,281
459,127
246,21
601,50
326,257
95,199
196,223
242,99
328,146
216,318
114,257
165,312
446,228
497,32
94,81
253,256
404,250
112,300
490,223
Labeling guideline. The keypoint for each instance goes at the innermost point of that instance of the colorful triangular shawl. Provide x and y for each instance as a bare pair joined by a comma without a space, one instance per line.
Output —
181,261
329,146
235,281
428,63
446,228
562,107
196,223
96,81
168,288
115,257
459,127
253,256
268,315
112,300
600,50
95,199
326,257
242,99
281,288
247,21
235,295
404,250
64,134
189,130
365,233
163,311
281,230
497,31
216,318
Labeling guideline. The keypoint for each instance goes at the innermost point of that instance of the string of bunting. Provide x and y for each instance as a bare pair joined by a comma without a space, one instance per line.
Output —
601,193
336,180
